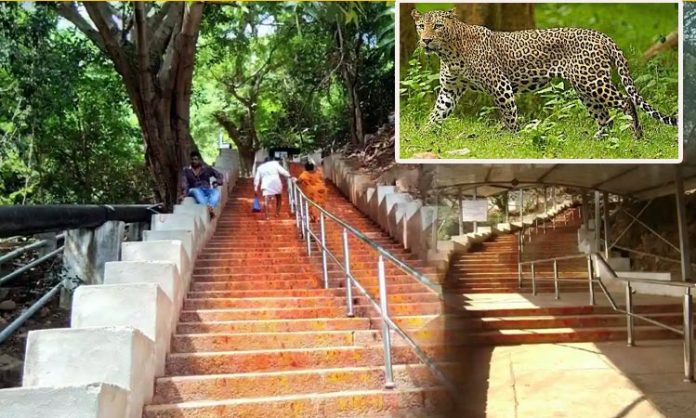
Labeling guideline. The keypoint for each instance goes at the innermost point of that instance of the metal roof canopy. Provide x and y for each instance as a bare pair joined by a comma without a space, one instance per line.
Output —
641,181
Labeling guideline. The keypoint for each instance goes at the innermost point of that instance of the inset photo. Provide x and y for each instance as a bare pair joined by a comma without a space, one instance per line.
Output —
538,82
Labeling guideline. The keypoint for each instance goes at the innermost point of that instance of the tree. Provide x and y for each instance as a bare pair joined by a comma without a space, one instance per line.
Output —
152,48
408,38
497,16
67,128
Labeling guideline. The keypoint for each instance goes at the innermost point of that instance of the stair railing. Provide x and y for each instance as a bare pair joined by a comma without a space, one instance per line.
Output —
556,278
299,205
687,330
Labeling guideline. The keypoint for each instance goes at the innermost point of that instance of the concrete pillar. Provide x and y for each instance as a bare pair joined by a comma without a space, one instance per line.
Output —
163,273
172,251
168,222
185,236
120,356
143,306
95,400
85,253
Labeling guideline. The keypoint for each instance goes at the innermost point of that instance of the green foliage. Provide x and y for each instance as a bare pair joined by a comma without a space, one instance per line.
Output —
554,123
301,100
68,133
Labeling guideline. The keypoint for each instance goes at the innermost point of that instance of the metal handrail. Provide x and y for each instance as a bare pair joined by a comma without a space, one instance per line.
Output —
21,250
686,332
299,205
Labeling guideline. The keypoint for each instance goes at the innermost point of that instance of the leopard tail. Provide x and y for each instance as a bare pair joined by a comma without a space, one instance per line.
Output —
621,65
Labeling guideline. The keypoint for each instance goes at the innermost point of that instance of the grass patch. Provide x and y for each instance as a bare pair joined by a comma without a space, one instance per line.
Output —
555,124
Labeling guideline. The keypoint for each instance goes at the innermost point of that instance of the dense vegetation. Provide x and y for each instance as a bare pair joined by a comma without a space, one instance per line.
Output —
554,122
80,123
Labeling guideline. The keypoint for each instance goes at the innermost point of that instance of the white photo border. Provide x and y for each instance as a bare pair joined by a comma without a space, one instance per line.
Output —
680,113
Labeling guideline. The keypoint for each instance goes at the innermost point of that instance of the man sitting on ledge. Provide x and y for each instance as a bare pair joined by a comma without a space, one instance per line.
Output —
195,182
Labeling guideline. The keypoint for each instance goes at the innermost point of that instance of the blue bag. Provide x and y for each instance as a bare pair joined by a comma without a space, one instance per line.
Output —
256,207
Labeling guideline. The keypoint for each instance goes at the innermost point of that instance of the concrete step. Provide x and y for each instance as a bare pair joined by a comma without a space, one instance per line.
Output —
179,389
416,402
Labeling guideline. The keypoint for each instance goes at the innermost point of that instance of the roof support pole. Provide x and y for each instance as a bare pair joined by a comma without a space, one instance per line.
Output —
507,207
475,223
597,222
681,224
461,215
521,208
605,218
585,218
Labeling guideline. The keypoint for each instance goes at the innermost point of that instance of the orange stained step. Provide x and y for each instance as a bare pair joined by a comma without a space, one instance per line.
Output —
259,336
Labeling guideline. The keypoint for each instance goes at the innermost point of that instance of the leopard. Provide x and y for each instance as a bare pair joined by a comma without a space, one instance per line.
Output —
503,64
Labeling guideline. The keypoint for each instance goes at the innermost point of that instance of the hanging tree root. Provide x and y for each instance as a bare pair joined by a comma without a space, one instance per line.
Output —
671,41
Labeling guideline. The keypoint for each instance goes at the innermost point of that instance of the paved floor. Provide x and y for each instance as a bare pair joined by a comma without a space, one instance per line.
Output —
597,380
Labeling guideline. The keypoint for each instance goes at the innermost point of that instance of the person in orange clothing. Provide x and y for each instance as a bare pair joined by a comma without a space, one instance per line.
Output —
311,181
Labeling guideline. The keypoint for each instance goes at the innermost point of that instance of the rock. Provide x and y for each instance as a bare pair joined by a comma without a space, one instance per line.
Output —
8,305
3,321
463,151
44,312
4,292
425,156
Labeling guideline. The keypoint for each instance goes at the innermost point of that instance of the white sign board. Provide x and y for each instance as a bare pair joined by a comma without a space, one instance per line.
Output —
475,210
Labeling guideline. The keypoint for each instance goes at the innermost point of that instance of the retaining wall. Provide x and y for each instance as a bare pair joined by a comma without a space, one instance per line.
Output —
105,364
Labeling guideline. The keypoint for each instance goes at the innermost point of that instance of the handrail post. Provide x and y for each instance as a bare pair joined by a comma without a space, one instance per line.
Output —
346,267
557,294
589,279
629,314
388,372
533,280
291,197
519,274
302,215
688,337
309,236
324,267
297,211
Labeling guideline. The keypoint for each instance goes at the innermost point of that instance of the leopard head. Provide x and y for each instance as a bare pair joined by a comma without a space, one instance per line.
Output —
434,28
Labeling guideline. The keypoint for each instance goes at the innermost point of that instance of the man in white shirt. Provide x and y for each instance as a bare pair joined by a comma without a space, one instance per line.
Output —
268,183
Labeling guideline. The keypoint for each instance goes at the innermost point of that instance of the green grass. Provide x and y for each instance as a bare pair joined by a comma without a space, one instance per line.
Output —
555,123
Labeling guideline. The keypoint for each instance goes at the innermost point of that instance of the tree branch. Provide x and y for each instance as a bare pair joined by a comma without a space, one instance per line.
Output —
68,10
141,47
163,25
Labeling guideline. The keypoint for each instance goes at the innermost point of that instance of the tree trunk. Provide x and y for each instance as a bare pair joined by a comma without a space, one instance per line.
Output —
497,16
155,58
247,144
407,36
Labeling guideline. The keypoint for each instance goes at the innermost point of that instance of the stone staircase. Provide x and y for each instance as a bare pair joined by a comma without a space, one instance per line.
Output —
485,283
259,336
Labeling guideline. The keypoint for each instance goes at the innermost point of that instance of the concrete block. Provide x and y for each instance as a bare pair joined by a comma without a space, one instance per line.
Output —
119,356
143,306
395,211
183,235
382,192
165,274
419,229
198,211
385,205
97,400
189,201
170,221
410,210
371,203
172,251
87,250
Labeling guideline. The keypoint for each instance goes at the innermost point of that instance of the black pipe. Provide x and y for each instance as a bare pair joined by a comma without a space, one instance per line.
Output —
33,219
